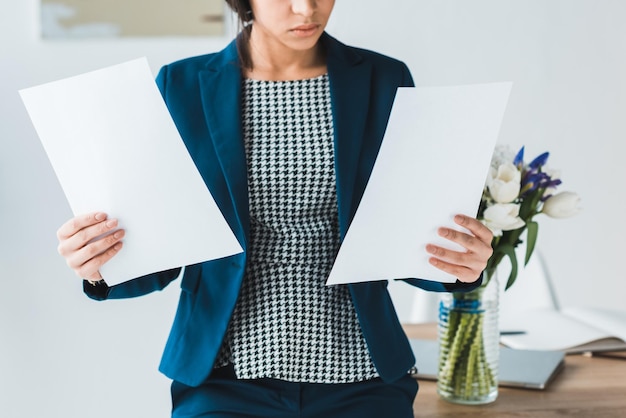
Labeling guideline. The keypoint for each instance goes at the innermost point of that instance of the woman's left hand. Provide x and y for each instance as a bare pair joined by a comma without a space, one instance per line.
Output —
466,266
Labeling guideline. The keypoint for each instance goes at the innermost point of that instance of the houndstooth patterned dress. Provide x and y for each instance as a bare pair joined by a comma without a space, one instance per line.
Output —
287,323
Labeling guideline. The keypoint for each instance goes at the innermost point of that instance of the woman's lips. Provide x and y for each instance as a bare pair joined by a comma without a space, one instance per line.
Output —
305,30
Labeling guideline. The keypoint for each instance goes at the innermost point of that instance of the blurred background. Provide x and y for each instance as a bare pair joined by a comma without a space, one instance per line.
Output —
62,355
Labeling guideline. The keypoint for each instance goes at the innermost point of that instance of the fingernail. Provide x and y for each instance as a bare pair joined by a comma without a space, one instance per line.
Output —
118,234
111,223
100,216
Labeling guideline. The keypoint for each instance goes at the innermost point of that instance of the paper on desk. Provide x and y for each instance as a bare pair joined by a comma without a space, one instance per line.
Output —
115,148
432,164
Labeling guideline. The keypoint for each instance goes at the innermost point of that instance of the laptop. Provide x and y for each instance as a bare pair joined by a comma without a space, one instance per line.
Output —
530,369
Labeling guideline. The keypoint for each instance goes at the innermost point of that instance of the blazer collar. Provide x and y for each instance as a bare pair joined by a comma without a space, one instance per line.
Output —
349,77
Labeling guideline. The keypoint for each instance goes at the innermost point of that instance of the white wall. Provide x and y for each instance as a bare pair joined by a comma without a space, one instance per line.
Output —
62,355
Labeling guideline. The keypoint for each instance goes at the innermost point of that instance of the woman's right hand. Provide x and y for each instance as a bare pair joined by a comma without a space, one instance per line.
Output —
87,242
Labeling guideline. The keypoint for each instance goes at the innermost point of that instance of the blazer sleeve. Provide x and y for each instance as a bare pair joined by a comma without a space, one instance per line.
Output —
136,287
433,286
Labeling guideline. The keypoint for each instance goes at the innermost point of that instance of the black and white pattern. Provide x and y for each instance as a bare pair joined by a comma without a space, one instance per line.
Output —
287,323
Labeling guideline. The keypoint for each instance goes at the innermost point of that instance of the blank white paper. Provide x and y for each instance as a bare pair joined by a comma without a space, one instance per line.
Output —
114,148
432,164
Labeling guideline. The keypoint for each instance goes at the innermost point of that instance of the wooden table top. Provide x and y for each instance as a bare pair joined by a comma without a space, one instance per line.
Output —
587,387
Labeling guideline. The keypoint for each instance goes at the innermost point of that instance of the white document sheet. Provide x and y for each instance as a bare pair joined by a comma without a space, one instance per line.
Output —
432,164
115,148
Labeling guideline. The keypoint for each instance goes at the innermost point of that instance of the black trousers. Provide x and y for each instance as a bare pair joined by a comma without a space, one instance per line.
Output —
225,396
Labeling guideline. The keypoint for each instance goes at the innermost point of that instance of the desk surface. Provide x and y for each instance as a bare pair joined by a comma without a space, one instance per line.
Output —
586,387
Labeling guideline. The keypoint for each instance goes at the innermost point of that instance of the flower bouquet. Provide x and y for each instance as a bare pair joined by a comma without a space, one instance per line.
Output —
514,193
468,322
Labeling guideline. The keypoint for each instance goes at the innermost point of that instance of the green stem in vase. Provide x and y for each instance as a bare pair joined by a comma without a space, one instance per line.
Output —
472,366
464,371
457,339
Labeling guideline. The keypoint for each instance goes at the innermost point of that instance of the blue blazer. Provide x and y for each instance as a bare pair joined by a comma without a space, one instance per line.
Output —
203,95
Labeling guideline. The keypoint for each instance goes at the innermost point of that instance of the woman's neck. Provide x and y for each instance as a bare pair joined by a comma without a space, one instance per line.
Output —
273,61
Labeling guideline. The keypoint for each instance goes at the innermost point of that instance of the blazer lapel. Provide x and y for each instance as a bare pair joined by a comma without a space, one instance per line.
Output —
350,84
221,98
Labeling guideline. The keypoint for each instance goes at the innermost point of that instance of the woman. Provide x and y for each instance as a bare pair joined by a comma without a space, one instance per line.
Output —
284,126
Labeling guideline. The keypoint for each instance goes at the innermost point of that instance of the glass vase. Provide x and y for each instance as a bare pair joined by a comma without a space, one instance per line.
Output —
469,344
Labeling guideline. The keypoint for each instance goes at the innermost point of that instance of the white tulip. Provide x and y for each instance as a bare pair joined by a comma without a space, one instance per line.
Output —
501,155
502,217
504,183
562,205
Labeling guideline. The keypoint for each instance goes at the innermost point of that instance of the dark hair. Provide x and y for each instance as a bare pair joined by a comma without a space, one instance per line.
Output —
244,12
